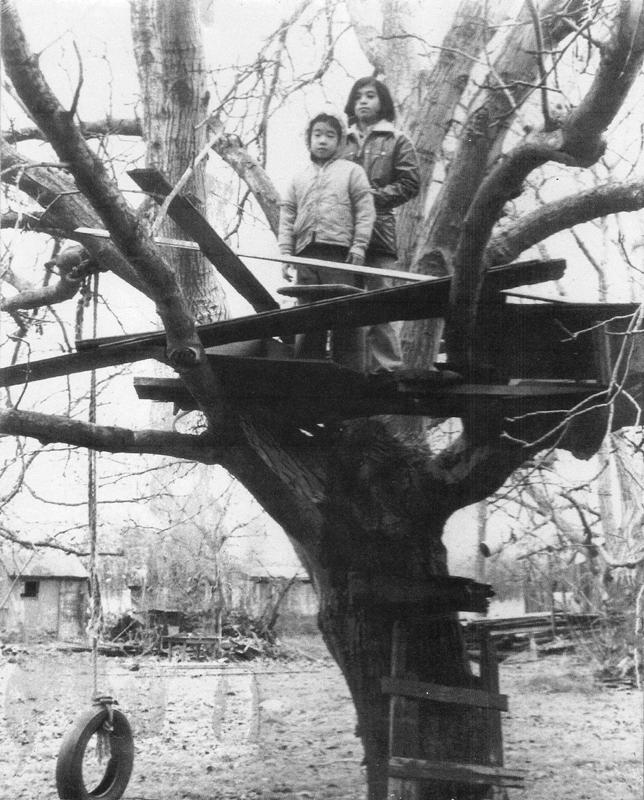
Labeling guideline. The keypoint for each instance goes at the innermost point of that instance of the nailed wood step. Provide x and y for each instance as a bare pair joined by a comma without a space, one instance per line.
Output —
438,593
453,695
454,772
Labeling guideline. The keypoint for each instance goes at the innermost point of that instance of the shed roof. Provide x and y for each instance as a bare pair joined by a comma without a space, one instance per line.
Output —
43,564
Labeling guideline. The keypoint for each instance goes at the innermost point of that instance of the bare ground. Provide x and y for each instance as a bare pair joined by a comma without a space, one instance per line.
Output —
285,729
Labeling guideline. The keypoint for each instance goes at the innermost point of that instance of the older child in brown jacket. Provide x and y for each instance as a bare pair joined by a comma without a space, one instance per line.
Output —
390,162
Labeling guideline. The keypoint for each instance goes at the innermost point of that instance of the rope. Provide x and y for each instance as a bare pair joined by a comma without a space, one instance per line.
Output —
103,750
95,600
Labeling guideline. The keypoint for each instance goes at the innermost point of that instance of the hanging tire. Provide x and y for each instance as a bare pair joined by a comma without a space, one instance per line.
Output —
69,767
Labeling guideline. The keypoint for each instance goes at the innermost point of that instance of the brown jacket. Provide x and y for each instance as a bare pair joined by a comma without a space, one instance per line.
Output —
389,159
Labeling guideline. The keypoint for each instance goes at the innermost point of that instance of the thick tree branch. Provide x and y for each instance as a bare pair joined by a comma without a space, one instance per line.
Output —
65,209
559,215
579,142
48,428
73,265
249,170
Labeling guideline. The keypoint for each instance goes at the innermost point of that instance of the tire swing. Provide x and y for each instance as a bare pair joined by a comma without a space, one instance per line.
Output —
114,735
108,726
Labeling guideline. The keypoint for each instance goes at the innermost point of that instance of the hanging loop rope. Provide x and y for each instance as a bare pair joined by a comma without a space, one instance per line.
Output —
109,727
94,625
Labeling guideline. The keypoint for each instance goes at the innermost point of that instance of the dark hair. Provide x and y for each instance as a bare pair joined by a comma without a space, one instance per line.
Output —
329,119
387,110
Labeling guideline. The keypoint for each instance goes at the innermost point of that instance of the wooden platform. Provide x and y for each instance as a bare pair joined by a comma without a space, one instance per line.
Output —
322,389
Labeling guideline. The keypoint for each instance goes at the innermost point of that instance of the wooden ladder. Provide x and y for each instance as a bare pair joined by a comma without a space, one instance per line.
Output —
407,771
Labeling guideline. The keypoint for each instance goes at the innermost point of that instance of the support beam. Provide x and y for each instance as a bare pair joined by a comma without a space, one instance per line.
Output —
424,300
418,301
192,221
452,695
452,772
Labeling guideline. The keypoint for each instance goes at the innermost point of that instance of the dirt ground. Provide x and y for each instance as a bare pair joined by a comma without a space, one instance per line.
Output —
285,729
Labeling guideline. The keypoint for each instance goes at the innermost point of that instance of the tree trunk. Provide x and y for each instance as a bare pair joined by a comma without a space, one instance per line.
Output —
358,503
173,77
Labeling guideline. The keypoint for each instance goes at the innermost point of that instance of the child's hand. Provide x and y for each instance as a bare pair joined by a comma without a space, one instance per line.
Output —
288,272
354,259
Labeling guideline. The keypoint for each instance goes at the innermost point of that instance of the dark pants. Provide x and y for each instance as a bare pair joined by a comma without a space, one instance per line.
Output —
383,352
345,345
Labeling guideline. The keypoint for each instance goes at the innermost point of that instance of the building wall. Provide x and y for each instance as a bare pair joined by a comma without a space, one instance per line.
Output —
58,611
298,608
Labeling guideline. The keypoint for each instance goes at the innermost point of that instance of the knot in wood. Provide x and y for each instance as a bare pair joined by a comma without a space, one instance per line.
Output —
183,358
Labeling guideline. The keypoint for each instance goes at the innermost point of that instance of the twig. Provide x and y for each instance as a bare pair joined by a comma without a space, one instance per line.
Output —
179,186
79,85
542,67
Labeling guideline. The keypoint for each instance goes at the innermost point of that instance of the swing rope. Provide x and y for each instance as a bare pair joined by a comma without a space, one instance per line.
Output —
95,621
95,601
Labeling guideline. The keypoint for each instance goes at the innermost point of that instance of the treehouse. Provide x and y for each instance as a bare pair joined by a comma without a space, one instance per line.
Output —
541,356
537,356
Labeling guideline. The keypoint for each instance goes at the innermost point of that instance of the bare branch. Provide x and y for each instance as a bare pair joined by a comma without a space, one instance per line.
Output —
231,150
79,85
559,215
91,130
579,142
49,428
184,350
73,265
65,208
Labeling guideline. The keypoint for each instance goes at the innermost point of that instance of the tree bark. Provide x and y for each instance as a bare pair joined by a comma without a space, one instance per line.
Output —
173,73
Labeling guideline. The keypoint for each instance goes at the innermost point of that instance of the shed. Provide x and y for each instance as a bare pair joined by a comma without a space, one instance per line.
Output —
258,592
43,594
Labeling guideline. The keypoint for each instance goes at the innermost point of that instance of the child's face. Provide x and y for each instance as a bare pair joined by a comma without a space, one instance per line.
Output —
367,107
324,141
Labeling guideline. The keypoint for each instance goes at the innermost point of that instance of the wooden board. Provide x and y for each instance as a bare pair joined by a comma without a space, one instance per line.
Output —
332,266
72,363
453,772
555,341
435,593
453,695
316,390
192,221
418,301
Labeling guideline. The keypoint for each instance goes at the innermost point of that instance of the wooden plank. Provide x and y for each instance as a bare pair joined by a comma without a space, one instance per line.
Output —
453,695
307,407
418,301
404,734
557,340
381,272
72,363
490,679
333,266
455,772
192,221
435,592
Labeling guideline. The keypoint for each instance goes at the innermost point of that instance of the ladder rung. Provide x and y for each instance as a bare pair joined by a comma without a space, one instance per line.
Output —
450,771
456,695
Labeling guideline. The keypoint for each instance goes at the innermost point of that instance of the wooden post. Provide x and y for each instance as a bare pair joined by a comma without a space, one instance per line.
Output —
490,680
403,719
